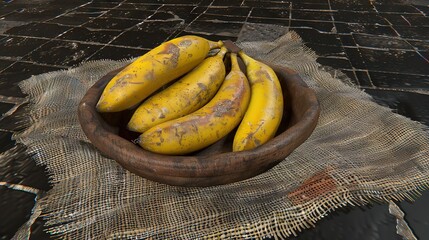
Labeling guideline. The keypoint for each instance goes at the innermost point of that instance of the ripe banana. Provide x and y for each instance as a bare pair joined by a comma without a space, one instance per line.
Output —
186,95
265,110
206,125
151,71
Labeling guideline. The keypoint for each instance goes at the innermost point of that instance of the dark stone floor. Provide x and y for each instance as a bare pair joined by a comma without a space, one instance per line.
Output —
381,45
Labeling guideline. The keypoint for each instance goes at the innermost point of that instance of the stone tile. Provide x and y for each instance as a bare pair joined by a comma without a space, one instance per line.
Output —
62,53
264,4
344,5
4,107
215,28
347,40
310,1
399,80
412,32
395,19
423,9
396,8
167,27
221,18
34,14
313,36
410,104
417,20
5,138
179,12
381,42
235,11
14,48
16,205
338,63
355,57
125,13
419,44
117,53
365,28
164,16
364,79
311,15
414,20
4,64
326,51
227,2
350,74
395,61
10,77
353,224
309,6
317,25
90,35
275,21
43,30
103,4
112,23
359,17
141,39
136,6
88,11
270,13
76,19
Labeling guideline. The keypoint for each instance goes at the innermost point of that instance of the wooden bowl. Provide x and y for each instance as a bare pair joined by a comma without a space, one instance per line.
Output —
216,164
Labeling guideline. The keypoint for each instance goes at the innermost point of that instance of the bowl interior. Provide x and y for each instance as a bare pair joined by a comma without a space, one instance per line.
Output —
118,121
213,165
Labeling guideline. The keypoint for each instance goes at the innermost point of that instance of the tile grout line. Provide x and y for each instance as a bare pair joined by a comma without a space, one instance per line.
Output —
199,15
64,40
416,50
409,90
122,32
248,14
80,41
342,45
178,31
419,10
49,39
98,17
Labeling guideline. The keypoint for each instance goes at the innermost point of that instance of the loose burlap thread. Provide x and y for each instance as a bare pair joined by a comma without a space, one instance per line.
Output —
359,152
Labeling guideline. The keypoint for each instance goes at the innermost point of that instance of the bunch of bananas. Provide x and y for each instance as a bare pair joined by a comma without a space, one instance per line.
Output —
184,100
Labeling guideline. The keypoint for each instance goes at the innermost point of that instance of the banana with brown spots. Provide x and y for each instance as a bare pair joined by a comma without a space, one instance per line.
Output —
153,70
183,97
208,124
265,110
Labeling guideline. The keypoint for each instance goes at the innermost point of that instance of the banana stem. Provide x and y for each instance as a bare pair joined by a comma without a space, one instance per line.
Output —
222,52
214,45
234,62
246,59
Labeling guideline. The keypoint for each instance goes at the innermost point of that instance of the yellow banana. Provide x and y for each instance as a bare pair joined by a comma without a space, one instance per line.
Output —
186,95
265,110
208,124
151,71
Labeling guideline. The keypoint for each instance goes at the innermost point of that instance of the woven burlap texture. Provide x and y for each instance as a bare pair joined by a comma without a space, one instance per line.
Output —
359,152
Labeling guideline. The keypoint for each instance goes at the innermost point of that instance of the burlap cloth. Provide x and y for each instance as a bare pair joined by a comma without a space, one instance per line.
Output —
359,152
